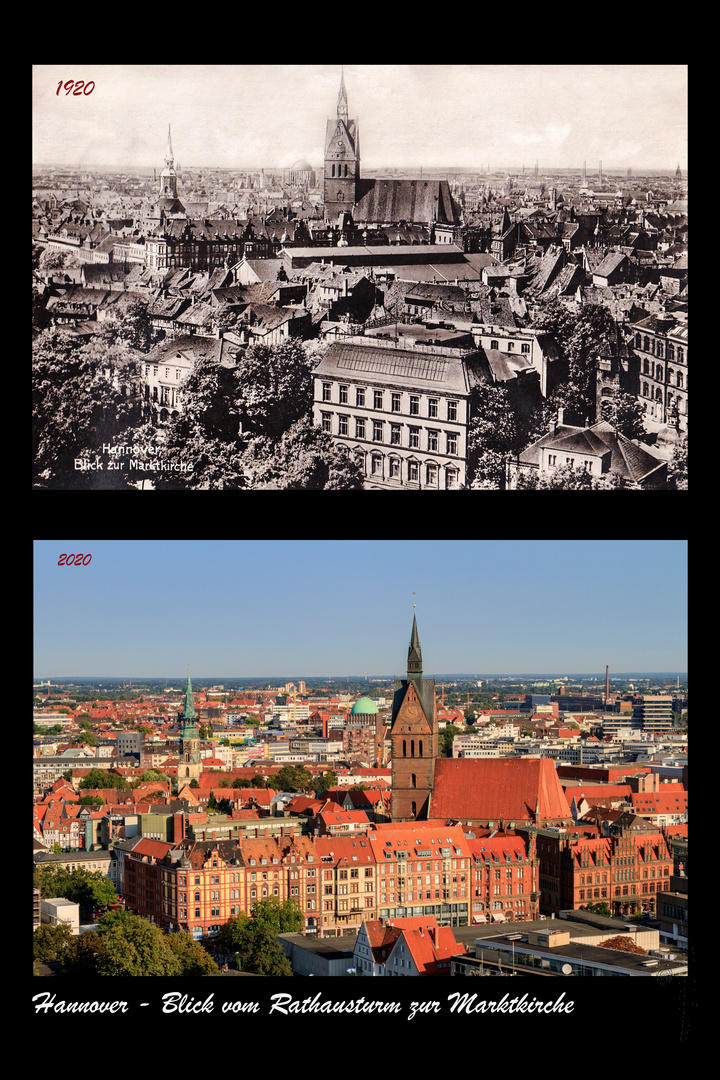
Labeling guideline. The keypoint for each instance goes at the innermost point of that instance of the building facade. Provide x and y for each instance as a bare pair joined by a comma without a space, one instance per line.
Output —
403,414
661,345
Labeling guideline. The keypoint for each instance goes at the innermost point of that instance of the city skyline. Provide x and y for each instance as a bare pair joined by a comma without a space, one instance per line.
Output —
410,116
143,609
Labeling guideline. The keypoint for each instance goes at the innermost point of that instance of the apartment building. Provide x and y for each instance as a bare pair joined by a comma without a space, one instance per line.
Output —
403,413
661,344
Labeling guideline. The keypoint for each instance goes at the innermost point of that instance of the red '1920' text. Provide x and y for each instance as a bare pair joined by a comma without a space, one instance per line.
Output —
75,87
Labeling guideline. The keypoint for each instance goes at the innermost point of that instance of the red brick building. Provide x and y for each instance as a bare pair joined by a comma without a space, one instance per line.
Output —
625,870
495,792
504,878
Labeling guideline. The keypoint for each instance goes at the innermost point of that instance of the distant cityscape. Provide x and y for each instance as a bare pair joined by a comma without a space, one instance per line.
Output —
492,328
446,826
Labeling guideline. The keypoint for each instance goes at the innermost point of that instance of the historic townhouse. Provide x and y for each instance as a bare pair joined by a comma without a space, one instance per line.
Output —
403,413
504,878
348,880
422,869
197,886
625,870
660,343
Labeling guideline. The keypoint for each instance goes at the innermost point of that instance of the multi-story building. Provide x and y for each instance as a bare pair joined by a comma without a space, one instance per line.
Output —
422,869
403,413
661,344
653,713
625,870
503,878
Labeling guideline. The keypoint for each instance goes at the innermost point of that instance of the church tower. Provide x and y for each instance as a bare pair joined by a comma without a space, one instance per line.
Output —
342,160
168,177
413,738
189,764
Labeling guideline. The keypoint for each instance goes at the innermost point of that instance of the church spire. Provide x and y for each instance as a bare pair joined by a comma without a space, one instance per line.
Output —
342,105
414,668
169,160
189,710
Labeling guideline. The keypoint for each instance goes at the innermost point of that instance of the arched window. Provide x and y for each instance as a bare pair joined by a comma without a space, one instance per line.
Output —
412,780
420,745
413,809
404,748
412,748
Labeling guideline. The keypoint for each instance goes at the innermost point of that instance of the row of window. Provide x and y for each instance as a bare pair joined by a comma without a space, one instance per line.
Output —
380,468
659,348
655,371
362,400
374,430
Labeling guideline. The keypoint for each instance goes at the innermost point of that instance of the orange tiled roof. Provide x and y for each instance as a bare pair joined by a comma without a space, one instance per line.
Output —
507,789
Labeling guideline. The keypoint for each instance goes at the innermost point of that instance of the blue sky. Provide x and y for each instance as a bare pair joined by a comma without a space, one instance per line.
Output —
306,608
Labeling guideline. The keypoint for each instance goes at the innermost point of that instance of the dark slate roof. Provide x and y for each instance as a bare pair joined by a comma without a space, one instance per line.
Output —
435,371
385,200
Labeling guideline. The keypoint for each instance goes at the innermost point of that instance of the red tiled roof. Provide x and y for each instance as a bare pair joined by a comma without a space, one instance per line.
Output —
497,789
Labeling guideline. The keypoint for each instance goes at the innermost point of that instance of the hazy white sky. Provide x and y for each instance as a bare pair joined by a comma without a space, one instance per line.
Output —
455,116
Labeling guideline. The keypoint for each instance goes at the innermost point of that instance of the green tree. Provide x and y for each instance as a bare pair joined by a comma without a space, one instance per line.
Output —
293,778
50,942
104,778
327,780
193,958
137,947
254,940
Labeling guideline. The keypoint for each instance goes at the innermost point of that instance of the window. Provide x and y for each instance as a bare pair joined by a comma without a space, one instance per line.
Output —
359,429
432,440
326,391
342,425
327,422
360,397
343,395
395,403
414,439
395,435
413,470
432,407
414,405
452,410
377,399
452,444
377,431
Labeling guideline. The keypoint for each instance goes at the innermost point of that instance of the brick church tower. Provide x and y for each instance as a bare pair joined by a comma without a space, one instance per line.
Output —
413,738
342,161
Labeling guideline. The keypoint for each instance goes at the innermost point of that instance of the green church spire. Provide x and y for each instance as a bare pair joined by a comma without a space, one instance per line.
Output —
189,710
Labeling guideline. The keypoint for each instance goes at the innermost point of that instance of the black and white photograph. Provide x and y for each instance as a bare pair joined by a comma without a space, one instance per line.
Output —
349,277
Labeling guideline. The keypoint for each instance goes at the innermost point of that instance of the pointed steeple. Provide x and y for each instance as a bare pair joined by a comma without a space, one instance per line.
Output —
414,668
189,710
169,160
342,105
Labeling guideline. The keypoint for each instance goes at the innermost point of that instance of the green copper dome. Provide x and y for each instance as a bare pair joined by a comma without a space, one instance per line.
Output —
364,705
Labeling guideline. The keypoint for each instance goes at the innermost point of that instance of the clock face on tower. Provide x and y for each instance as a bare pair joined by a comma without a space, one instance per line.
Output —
412,712
341,147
